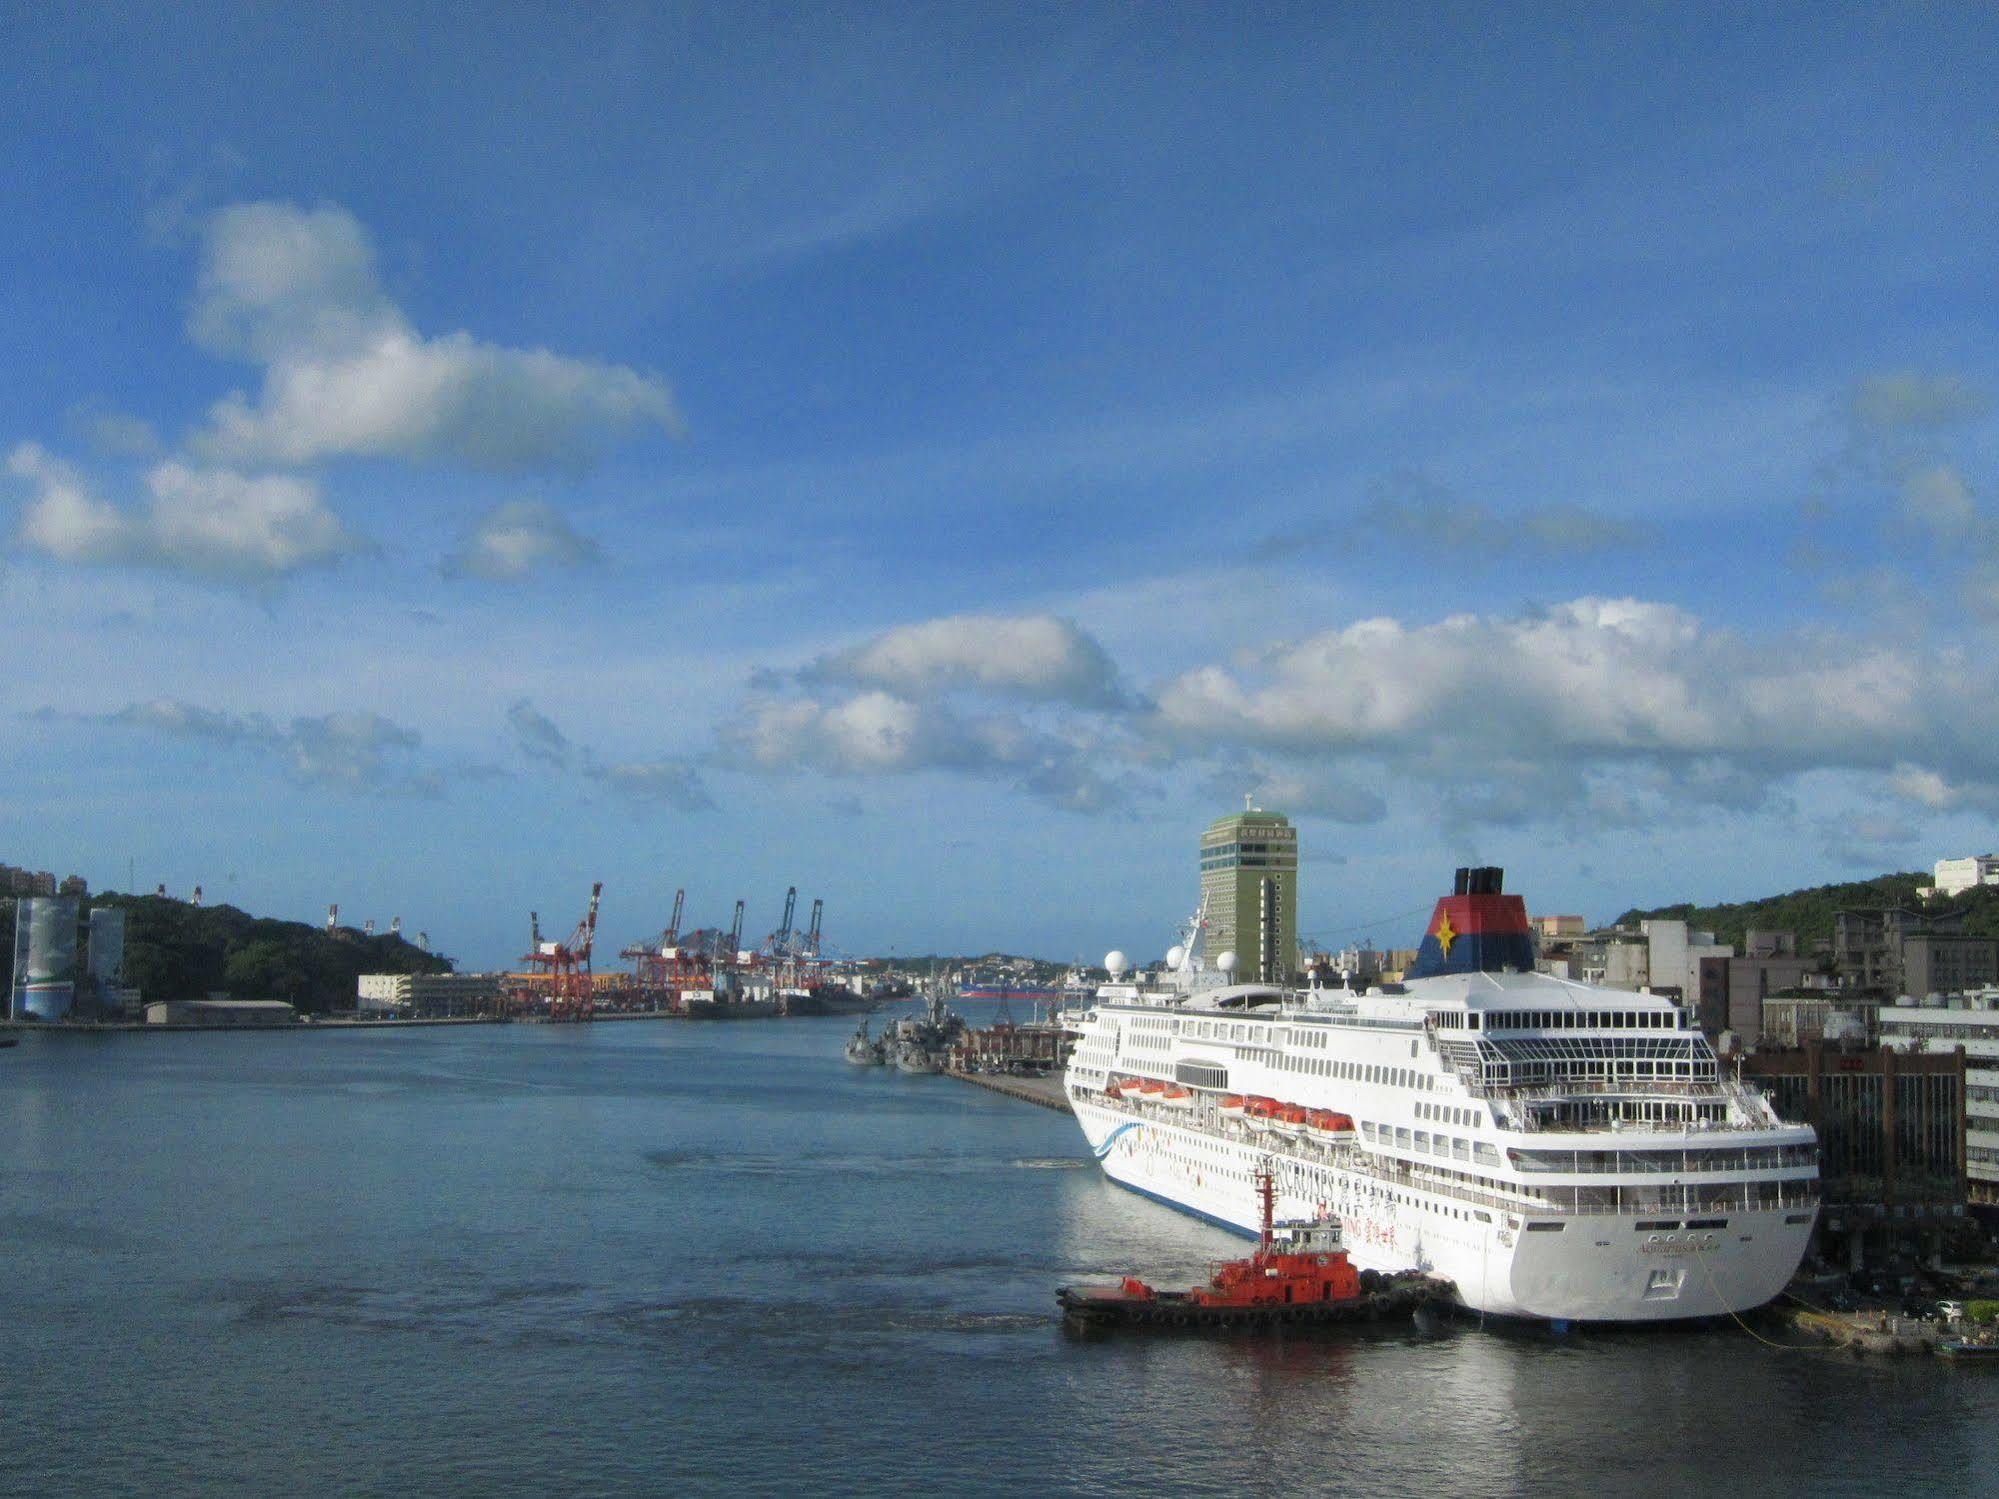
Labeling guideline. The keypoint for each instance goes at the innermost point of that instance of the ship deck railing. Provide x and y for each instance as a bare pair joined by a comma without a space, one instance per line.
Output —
1749,1109
1759,1194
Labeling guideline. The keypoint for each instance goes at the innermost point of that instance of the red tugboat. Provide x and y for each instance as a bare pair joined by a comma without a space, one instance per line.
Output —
1299,1274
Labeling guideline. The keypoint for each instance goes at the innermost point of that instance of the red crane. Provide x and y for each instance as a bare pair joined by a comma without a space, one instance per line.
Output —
567,964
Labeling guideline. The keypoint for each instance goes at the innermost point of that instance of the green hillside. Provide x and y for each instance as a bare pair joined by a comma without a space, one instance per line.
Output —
174,950
1809,913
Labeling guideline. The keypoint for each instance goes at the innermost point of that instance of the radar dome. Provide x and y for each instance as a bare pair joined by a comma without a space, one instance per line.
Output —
1115,962
1226,962
1175,956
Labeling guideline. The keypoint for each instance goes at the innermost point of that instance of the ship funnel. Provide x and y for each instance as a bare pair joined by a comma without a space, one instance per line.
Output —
1476,929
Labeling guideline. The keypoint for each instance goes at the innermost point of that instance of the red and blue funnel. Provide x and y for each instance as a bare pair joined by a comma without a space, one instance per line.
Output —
1476,930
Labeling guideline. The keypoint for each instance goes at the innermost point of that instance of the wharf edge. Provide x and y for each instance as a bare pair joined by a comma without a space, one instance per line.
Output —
1045,1091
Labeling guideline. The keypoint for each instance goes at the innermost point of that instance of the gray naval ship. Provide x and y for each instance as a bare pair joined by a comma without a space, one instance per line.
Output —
918,1043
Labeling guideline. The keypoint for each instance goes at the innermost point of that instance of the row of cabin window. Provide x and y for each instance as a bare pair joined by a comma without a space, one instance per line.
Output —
1359,1072
1571,1020
1451,1147
1445,1113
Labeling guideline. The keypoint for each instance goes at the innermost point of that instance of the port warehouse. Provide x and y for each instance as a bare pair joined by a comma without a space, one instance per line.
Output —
220,1013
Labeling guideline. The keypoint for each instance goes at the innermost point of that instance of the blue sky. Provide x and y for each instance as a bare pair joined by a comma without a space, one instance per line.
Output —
941,456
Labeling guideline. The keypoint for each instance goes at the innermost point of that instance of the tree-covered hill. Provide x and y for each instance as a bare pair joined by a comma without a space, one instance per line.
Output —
1809,913
174,950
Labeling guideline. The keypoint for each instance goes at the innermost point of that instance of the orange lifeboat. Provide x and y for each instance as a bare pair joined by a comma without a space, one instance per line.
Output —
1151,1087
1232,1103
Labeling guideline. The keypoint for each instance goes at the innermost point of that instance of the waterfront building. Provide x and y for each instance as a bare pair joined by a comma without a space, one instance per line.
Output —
413,996
1891,1141
1970,1022
1557,928
220,1012
1249,883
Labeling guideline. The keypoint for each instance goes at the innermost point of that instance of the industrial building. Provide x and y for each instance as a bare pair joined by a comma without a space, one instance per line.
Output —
44,979
49,982
1249,883
1891,1142
425,996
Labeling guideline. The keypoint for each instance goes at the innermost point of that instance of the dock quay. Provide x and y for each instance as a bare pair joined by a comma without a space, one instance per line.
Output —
1045,1091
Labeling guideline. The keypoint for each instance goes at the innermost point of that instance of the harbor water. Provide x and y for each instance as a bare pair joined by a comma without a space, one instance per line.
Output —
669,1258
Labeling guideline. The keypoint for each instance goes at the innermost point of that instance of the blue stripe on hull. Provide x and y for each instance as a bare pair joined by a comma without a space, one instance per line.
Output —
1181,1207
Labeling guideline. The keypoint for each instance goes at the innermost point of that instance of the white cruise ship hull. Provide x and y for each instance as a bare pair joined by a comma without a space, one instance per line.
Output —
1593,1268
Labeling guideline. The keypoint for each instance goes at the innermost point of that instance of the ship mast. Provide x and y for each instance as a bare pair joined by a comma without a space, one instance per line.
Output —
1266,1192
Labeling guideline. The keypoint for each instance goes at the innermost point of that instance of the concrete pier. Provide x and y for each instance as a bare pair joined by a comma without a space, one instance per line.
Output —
1045,1091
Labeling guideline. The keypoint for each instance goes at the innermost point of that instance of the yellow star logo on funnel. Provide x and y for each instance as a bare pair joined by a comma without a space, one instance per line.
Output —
1446,934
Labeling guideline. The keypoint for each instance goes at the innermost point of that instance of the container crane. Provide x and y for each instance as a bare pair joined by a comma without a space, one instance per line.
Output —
730,956
778,943
656,960
567,963
812,932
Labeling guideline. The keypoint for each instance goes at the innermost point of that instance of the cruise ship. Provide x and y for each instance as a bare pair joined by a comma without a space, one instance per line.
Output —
1552,1149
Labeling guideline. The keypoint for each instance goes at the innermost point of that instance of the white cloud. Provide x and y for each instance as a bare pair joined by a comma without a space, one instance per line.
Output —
517,538
346,375
210,522
877,733
1532,704
64,519
1037,657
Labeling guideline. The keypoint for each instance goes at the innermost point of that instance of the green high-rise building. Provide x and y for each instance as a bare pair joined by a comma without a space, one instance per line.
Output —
1249,878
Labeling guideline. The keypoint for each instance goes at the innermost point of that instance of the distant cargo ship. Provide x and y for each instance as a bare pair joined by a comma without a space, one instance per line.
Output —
1004,991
